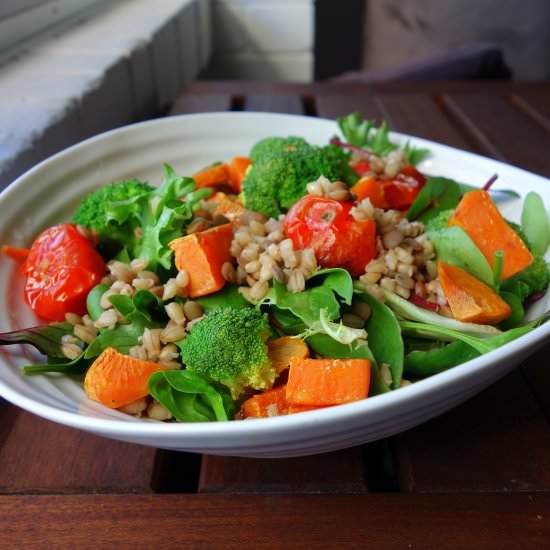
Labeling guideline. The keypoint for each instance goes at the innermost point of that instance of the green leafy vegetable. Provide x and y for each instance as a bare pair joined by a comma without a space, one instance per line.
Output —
482,345
338,280
534,222
498,265
76,366
365,135
229,296
437,195
189,397
426,363
518,311
93,301
337,331
384,337
142,220
453,246
408,310
414,154
46,339
140,311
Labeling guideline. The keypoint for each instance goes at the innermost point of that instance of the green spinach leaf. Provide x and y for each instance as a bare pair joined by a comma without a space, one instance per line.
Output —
534,222
384,337
437,195
189,397
426,363
453,246
76,366
46,339
229,296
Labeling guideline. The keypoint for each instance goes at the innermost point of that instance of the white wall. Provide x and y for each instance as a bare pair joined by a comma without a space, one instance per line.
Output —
262,39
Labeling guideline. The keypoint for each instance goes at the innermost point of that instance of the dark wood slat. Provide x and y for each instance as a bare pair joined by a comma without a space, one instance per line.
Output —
420,115
535,105
501,131
267,103
200,103
497,441
453,522
38,456
537,373
331,105
339,472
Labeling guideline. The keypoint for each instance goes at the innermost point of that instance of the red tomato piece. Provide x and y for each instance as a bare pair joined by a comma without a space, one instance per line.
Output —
326,226
401,191
61,268
361,167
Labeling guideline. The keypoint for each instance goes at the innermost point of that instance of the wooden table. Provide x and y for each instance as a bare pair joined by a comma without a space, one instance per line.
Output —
477,477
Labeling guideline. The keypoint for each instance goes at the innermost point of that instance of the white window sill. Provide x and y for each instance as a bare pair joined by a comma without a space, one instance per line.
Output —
124,64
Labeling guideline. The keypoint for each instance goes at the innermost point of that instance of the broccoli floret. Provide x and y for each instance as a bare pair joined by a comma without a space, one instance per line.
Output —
273,145
275,183
229,347
440,221
96,212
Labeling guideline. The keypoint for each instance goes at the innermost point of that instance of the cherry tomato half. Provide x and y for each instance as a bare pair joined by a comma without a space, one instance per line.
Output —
361,167
401,191
326,226
61,268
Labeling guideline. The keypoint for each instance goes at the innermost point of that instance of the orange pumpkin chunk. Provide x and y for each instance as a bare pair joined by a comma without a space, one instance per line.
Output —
269,403
470,299
202,255
480,218
232,210
323,382
115,379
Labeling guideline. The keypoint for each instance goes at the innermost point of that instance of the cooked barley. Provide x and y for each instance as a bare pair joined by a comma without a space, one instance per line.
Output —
143,284
108,319
138,352
362,309
173,332
385,372
182,278
156,411
135,407
73,319
86,334
71,351
192,310
175,312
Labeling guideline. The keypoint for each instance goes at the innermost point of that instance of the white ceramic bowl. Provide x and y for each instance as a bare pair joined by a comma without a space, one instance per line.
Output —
49,192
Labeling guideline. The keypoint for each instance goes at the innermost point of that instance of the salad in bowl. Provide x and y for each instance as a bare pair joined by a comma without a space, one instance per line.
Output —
297,278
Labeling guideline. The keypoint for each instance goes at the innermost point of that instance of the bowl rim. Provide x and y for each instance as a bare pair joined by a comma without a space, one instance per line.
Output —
289,423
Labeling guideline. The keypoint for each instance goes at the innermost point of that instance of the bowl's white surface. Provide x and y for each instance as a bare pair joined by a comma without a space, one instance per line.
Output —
49,192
